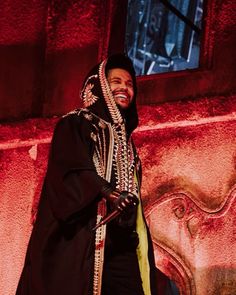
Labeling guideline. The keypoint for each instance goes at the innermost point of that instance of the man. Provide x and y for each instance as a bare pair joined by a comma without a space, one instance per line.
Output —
93,169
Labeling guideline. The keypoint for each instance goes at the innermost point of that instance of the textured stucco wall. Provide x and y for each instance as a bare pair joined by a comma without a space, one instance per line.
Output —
188,153
47,47
23,158
189,190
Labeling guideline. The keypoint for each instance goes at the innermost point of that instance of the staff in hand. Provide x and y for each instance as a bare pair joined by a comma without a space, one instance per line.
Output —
119,202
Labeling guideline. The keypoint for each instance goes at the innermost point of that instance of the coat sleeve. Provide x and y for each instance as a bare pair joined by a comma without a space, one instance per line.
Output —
72,181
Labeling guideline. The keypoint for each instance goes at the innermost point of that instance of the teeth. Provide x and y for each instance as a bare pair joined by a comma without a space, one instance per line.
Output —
121,96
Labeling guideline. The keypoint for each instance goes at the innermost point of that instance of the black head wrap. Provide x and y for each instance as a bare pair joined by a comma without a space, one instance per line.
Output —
97,96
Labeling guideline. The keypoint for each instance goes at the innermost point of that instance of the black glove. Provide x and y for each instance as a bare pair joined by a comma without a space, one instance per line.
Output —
119,200
125,201
110,194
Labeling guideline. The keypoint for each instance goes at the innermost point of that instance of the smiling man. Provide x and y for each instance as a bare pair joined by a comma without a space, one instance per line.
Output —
121,84
93,170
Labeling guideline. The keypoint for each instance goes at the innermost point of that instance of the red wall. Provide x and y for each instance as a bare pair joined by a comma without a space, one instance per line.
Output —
186,136
46,48
189,192
189,188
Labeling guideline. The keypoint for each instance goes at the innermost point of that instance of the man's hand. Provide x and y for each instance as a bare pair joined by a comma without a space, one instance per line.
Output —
126,200
119,200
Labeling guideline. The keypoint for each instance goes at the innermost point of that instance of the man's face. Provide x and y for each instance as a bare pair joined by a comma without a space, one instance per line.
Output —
121,85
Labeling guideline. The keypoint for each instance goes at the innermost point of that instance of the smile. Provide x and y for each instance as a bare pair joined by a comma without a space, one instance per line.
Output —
122,96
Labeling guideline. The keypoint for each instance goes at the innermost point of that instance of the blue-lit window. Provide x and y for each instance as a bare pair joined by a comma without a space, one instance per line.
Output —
163,36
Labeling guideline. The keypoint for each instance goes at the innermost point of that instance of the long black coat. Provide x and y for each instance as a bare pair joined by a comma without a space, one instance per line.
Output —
60,253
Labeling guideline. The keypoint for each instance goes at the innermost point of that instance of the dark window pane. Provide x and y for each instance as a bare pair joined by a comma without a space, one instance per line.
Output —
163,36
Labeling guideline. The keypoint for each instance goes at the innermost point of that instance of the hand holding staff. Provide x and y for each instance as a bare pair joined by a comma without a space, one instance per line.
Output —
121,201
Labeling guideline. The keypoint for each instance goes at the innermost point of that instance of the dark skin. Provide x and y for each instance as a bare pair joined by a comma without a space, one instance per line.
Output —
121,85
